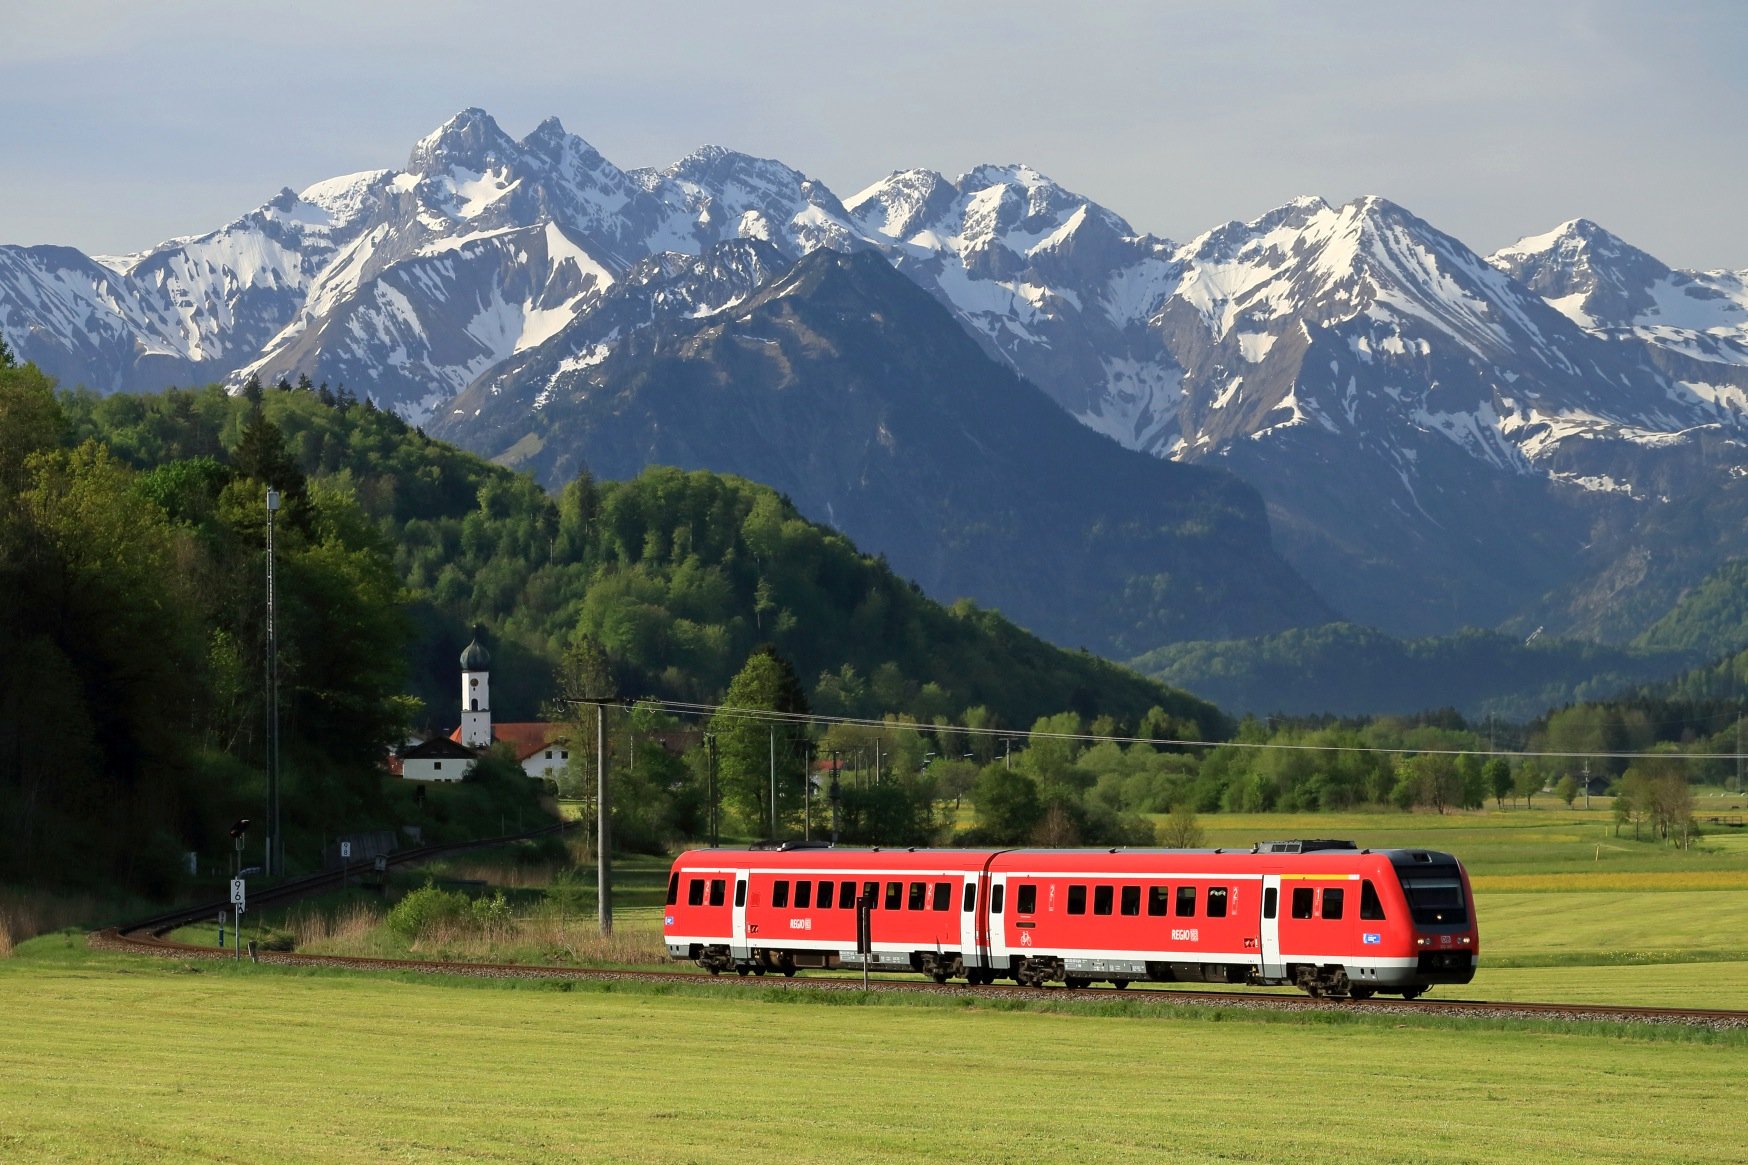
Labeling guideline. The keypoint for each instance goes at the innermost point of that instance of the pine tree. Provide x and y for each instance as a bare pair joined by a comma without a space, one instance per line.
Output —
7,360
261,454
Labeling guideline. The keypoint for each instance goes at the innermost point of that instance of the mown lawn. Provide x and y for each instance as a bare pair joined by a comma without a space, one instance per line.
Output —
104,1058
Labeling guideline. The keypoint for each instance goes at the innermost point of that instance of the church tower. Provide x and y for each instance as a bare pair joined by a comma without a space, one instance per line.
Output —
476,694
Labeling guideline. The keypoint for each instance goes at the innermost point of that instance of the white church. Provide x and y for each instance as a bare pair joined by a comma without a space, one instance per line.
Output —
542,748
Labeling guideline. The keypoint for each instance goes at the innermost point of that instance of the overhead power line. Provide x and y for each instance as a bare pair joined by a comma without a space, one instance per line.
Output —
690,708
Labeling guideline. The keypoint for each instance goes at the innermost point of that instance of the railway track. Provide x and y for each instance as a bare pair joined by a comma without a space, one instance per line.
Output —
146,937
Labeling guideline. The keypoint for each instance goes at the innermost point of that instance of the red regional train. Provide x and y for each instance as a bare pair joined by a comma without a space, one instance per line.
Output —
1325,916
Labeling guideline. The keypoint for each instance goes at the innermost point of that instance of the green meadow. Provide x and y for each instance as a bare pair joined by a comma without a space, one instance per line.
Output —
115,1058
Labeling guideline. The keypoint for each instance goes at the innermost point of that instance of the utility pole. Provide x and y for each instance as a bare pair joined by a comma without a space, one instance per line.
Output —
837,796
710,777
275,845
807,790
773,731
603,837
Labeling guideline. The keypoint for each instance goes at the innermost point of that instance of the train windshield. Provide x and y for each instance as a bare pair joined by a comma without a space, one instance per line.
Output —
1437,899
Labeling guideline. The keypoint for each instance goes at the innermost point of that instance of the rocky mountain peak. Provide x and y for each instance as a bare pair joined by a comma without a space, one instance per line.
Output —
1592,275
470,139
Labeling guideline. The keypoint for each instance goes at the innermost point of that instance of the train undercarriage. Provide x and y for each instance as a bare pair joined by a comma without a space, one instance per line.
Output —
1331,981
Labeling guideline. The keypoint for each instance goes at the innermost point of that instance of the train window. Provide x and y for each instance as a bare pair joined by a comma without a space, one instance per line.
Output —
970,897
1131,900
919,896
673,888
871,891
995,897
695,892
717,886
894,895
1026,900
780,892
1186,902
740,893
1270,901
803,894
1217,901
943,896
847,896
1332,901
1371,909
1436,899
1103,897
1158,900
1077,900
825,896
1302,896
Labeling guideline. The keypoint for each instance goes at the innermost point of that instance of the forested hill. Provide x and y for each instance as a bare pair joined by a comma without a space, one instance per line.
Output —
1346,670
132,545
678,576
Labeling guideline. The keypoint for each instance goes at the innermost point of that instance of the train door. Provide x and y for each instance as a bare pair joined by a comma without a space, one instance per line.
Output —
972,938
1269,934
992,916
739,948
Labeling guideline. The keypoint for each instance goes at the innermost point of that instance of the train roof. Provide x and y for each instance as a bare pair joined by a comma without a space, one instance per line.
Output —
802,854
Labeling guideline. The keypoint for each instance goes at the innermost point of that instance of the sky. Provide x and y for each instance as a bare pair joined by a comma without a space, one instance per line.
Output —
130,123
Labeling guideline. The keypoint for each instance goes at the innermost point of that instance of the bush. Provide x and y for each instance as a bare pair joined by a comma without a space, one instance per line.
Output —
493,913
428,908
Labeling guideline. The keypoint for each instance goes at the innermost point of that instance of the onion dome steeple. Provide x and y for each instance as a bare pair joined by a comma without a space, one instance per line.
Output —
475,657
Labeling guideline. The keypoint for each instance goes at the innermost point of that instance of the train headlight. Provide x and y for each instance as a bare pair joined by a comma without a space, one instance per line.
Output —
1466,941
1421,940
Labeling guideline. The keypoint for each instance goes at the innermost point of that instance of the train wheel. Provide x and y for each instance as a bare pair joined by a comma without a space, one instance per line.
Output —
759,971
1414,993
715,970
788,972
743,971
1360,993
1119,984
1075,982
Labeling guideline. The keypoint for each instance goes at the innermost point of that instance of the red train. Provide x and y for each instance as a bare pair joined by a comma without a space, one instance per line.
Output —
1325,916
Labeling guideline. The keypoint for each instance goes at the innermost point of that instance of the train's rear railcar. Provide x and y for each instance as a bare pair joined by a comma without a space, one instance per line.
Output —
787,908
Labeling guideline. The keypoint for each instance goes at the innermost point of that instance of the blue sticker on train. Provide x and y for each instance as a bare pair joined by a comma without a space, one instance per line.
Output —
1372,939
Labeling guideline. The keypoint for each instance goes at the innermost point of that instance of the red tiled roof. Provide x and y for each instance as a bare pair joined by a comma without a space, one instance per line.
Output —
527,737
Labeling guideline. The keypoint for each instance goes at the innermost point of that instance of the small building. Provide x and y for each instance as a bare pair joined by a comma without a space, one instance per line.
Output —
437,759
541,747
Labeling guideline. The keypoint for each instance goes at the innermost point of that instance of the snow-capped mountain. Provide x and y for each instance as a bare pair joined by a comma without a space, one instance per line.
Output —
1439,436
1610,287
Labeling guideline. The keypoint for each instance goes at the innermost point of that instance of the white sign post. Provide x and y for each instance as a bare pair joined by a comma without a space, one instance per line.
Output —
345,860
239,901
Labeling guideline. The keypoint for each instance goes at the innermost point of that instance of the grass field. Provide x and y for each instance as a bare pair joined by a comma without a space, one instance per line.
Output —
109,1058
104,1058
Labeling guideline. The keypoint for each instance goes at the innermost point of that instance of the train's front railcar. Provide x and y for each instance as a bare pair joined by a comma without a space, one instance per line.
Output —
1439,928
698,923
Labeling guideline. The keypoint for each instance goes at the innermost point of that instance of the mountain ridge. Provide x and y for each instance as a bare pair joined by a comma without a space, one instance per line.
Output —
1441,438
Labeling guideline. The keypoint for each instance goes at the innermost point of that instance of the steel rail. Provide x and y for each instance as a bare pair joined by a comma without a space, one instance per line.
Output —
141,940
